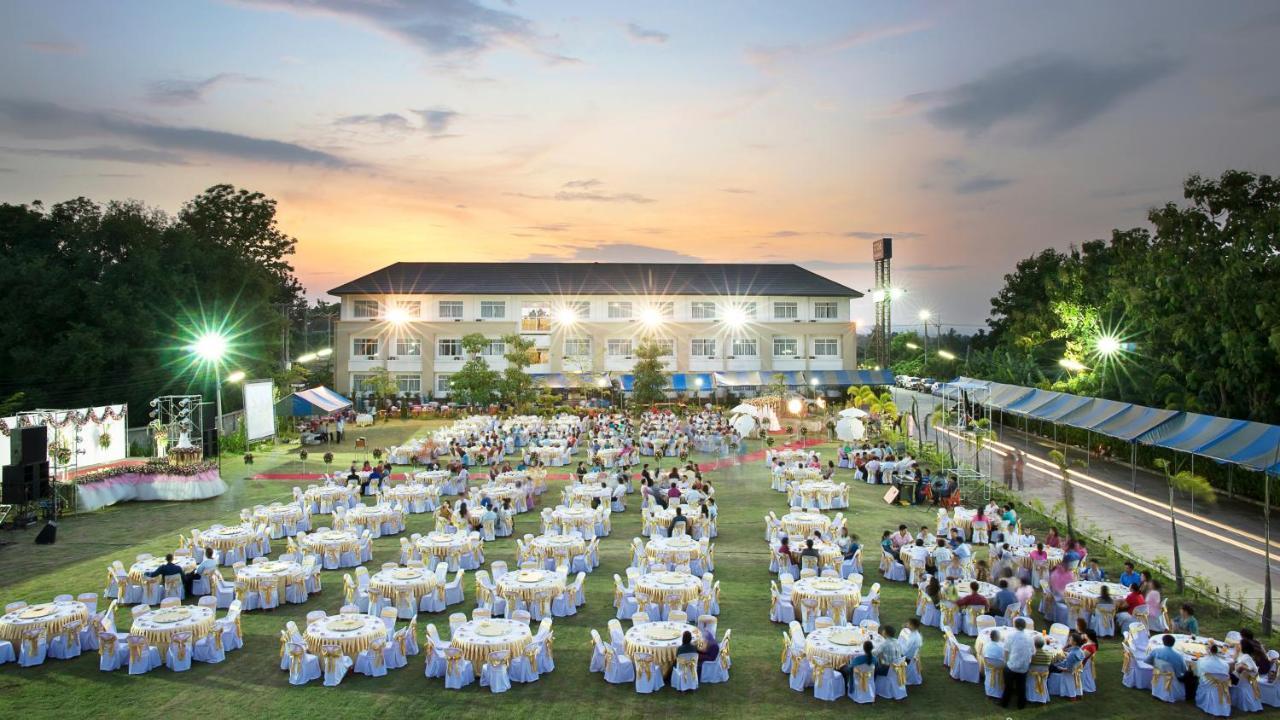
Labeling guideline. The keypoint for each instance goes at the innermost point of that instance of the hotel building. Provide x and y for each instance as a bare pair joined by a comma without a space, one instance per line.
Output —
719,324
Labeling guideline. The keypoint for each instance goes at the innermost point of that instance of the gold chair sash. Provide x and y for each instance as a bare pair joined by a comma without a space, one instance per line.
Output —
284,643
995,679
900,668
375,653
329,656
136,652
1221,685
863,676
215,637
107,645
297,663
453,663
644,669
1041,679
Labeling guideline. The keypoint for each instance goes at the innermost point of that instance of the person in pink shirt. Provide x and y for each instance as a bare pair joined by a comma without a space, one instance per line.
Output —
1038,555
1060,577
1153,599
1053,539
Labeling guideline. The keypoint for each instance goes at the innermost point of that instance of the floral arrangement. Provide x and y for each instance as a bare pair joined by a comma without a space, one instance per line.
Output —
302,455
104,441
328,458
61,453
248,458
377,453
151,467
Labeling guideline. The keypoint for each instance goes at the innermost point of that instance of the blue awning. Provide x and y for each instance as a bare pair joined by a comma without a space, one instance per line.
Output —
741,378
871,377
1252,446
688,382
1093,413
830,377
1192,432
1002,395
1060,406
1036,399
316,401
1135,422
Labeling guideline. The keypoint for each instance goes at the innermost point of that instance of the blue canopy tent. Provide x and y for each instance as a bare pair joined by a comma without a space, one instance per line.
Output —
1093,413
740,378
871,377
1002,396
315,401
680,382
1252,446
1059,407
1030,402
1135,422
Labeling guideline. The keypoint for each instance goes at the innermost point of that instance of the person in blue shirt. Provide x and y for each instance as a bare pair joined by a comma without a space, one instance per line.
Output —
1167,655
1186,621
1072,656
1004,597
1094,572
866,658
1130,576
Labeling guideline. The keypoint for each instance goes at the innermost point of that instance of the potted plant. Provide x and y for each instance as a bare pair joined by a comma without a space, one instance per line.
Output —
302,455
377,453
328,459
248,458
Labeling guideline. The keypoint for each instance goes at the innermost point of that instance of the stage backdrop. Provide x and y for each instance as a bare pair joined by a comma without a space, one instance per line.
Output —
97,423
259,409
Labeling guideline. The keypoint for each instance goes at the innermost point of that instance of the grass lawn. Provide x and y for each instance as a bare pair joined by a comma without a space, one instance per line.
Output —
250,684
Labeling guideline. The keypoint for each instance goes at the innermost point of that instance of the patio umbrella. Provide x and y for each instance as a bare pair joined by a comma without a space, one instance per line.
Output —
852,412
850,429
744,424
745,409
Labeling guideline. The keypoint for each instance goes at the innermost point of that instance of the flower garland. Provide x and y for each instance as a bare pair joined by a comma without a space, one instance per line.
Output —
151,467
72,418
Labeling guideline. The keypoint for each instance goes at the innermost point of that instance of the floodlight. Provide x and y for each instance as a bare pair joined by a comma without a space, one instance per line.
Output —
697,381
925,314
794,405
397,316
210,347
567,316
235,377
324,353
307,358
913,346
878,295
946,355
735,317
1072,364
813,382
1107,345
650,316
895,293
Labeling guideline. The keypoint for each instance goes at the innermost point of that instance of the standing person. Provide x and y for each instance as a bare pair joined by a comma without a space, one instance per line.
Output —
1006,470
341,426
1019,649
1018,466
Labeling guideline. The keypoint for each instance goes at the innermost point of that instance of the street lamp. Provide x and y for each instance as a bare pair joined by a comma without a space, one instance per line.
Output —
1072,364
946,355
912,346
698,393
1108,345
210,348
651,317
735,317
924,316
236,377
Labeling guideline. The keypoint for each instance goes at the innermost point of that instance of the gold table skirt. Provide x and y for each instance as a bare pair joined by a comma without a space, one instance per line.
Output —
13,631
160,637
478,653
851,600
351,646
657,592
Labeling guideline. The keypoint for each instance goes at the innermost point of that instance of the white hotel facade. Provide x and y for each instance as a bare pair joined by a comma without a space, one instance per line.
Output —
727,324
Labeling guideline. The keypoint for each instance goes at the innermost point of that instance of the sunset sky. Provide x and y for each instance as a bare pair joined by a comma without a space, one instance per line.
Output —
974,133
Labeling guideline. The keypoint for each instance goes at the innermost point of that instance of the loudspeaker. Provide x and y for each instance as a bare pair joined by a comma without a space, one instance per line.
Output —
48,534
211,442
13,486
28,445
38,481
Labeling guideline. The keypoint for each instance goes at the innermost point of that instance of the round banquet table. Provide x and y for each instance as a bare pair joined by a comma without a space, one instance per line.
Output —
824,590
820,493
582,519
351,633
1022,554
441,544
792,456
658,585
275,573
498,493
962,518
51,616
1088,591
527,584
582,494
278,516
547,454
829,554
660,639
1192,647
411,584
696,524
676,550
548,546
228,539
432,476
332,544
372,517
159,626
1051,643
325,497
837,645
477,638
409,496
800,525
138,571
608,455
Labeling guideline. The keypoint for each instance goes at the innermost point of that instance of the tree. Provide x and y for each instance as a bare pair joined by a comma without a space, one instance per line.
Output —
476,382
516,386
649,378
245,222
777,386
1068,489
1183,481
381,384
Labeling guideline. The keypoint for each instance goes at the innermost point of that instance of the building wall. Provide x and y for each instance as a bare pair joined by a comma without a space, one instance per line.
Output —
424,323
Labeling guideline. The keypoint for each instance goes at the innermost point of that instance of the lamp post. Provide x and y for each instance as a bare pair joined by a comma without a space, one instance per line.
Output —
697,382
924,320
211,347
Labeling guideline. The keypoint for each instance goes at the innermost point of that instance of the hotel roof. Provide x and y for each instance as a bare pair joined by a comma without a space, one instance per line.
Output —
563,278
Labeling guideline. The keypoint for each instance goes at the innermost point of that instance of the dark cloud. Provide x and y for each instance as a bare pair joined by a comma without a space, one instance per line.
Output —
643,34
140,156
386,122
437,120
611,252
867,264
434,122
980,184
53,47
872,235
1050,94
443,28
49,121
189,92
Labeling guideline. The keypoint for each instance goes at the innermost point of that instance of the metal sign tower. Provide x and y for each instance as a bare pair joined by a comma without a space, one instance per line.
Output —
882,254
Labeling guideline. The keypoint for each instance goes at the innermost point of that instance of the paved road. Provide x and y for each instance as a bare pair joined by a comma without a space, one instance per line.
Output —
1223,542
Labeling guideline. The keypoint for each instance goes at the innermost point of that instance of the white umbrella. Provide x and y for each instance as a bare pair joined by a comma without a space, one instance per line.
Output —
852,412
744,424
745,409
850,429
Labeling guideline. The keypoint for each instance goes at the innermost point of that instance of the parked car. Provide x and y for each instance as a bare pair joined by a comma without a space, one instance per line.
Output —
925,385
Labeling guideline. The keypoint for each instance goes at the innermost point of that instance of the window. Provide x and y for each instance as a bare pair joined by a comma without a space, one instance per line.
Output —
442,384
448,348
359,382
703,347
408,346
748,309
786,311
743,347
664,308
493,309
539,356
826,310
826,347
409,384
361,347
577,346
411,308
450,309
495,348
619,347
576,311
535,317
702,310
667,345
619,309
785,347
364,308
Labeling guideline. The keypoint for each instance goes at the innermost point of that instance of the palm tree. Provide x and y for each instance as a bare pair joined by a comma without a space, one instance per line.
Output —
1183,481
940,418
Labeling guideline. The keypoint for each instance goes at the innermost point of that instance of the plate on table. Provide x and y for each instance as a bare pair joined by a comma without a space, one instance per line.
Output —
346,624
229,531
669,578
828,584
441,537
271,567
662,633
171,615
847,638
490,629
407,574
35,612
531,576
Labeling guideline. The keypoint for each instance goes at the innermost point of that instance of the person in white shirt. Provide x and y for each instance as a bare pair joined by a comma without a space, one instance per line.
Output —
994,649
1213,662
919,554
872,467
910,638
941,555
1019,649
